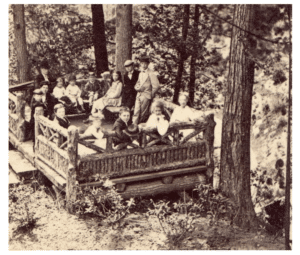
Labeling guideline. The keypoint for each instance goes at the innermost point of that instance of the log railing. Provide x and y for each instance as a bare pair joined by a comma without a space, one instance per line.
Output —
16,103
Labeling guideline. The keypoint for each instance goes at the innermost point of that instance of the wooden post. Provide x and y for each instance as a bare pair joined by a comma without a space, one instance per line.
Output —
38,111
209,135
73,137
109,147
20,127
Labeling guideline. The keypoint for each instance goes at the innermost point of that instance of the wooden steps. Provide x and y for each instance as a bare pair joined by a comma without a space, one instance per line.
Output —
20,165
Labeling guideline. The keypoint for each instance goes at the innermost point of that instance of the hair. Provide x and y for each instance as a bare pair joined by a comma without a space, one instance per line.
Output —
43,83
158,104
23,110
124,109
118,73
58,106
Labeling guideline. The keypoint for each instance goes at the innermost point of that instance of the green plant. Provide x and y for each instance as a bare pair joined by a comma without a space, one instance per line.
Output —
176,225
214,203
19,211
103,201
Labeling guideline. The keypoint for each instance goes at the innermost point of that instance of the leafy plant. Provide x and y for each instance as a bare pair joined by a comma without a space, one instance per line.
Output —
176,225
19,199
214,203
103,201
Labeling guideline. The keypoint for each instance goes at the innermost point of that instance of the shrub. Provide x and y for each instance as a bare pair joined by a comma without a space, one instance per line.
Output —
103,201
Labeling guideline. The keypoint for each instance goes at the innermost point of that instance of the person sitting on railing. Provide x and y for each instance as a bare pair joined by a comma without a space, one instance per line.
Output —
74,92
184,113
28,122
60,116
112,96
120,125
158,119
94,131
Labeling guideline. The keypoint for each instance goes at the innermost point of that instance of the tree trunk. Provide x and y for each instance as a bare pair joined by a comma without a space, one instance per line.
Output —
287,215
20,43
123,35
99,39
182,51
235,150
194,56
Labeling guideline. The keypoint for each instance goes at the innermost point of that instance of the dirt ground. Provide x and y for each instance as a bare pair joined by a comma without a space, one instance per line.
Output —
55,229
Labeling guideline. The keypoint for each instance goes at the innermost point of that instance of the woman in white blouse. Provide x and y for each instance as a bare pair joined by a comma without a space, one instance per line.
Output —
184,113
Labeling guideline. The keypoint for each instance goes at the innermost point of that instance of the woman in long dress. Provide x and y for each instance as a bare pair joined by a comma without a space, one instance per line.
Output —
111,98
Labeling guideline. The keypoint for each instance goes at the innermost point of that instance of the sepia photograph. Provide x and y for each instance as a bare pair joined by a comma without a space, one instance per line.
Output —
149,126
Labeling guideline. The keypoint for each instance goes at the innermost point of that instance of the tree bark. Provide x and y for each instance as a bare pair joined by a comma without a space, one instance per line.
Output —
99,39
288,155
123,35
194,56
20,43
235,149
182,51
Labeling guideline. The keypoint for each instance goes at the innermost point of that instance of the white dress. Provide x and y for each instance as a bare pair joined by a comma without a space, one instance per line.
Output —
185,114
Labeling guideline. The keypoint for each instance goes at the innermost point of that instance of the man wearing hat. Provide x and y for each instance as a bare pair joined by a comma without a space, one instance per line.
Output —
130,78
146,87
44,76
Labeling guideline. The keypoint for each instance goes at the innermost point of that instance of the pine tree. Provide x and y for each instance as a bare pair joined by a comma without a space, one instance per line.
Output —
99,39
236,124
123,35
20,43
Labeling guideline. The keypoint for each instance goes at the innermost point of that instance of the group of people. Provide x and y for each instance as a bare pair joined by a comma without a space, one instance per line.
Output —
136,93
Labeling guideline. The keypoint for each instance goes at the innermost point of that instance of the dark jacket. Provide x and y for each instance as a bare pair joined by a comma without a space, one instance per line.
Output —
65,123
39,78
129,93
119,126
35,104
88,87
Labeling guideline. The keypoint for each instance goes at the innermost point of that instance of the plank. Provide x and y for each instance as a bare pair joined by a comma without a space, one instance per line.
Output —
20,165
21,86
143,177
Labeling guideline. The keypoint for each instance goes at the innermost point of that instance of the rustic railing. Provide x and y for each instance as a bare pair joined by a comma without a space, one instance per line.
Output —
15,117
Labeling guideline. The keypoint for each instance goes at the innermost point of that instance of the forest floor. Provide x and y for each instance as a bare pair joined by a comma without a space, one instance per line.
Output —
55,229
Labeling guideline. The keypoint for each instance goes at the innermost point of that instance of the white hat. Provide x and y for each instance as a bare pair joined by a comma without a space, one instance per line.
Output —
128,63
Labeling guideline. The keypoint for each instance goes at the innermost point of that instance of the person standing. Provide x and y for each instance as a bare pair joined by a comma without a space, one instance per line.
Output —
146,87
45,76
130,79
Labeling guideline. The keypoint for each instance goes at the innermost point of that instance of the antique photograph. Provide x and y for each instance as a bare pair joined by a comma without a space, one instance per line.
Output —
150,126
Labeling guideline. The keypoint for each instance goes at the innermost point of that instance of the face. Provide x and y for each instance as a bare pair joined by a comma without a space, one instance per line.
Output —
97,123
72,83
182,101
61,113
108,79
60,84
125,116
115,76
39,110
129,68
144,65
27,112
38,97
44,71
92,79
158,111
45,88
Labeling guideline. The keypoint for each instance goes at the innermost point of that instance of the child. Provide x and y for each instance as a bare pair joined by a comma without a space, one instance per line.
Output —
59,91
183,113
121,124
60,116
95,131
47,98
28,122
112,96
158,115
74,92
90,90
